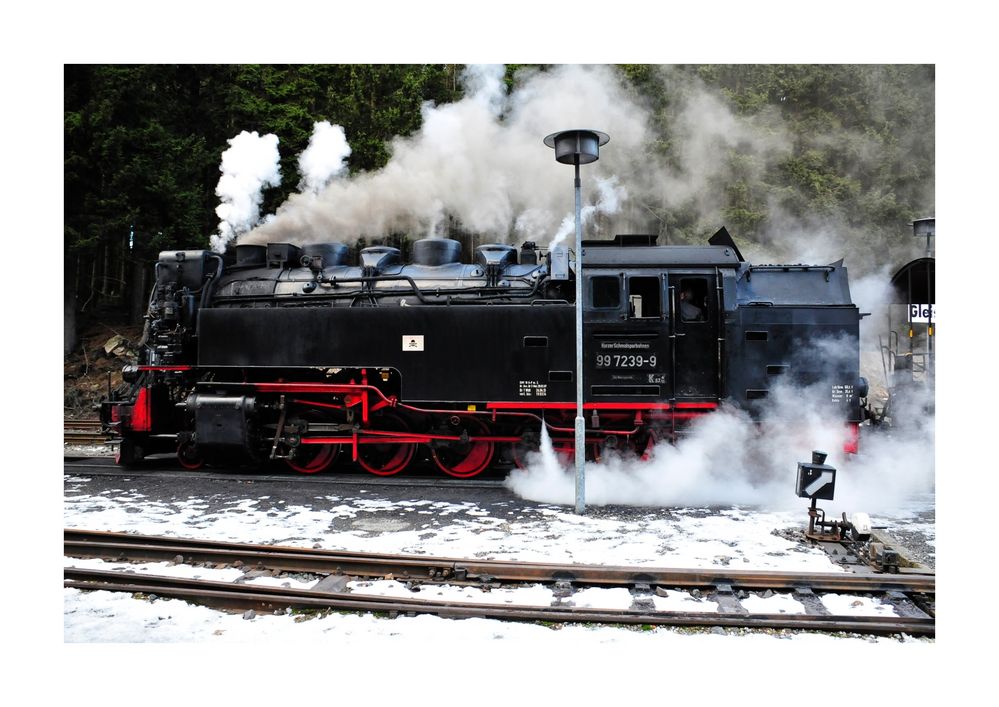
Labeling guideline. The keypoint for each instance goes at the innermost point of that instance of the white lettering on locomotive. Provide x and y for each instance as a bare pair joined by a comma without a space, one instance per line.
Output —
842,393
536,389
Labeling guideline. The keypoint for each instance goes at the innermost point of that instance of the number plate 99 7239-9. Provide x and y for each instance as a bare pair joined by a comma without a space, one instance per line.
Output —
635,361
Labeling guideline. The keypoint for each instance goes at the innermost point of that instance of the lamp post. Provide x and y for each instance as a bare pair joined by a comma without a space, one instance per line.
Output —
578,147
925,228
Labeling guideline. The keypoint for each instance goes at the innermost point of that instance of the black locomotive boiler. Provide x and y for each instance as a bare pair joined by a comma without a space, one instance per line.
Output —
290,353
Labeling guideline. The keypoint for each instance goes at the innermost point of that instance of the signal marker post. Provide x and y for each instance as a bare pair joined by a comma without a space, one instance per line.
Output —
578,147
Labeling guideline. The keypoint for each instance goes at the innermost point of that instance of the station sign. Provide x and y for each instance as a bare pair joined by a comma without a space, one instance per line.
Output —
922,313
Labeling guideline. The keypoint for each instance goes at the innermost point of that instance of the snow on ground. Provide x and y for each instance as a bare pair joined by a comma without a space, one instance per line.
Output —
740,538
428,659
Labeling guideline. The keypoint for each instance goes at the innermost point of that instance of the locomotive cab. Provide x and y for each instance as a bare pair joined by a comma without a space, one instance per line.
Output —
696,339
653,322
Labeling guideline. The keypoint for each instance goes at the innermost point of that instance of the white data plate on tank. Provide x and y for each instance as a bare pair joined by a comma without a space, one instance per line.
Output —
411,342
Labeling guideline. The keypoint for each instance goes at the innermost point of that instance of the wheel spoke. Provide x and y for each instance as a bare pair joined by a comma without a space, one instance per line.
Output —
312,461
529,444
389,458
312,458
188,456
466,459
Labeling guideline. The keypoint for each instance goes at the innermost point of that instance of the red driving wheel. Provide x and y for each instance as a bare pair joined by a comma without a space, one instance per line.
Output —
464,459
391,457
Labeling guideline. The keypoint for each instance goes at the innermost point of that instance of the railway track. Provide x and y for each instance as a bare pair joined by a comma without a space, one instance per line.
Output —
83,432
911,597
168,468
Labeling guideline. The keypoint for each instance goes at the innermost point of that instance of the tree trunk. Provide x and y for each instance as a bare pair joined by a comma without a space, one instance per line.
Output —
69,306
139,295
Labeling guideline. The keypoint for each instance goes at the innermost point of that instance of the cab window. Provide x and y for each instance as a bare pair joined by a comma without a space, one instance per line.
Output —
644,301
605,292
693,298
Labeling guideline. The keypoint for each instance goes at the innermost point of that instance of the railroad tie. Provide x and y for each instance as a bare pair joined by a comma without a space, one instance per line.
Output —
728,602
812,603
561,591
642,600
903,605
332,584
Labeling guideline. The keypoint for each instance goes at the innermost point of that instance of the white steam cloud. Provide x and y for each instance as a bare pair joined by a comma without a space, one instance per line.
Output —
729,459
324,159
872,295
479,162
707,134
249,165
609,199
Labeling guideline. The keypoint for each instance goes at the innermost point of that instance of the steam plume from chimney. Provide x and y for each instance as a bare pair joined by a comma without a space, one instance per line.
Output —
249,165
324,159
479,161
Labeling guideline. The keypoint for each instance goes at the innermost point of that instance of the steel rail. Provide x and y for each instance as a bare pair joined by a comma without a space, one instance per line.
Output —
241,596
81,425
85,431
79,437
167,469
83,543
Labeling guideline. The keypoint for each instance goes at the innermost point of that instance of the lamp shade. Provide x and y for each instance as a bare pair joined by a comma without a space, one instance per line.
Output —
572,144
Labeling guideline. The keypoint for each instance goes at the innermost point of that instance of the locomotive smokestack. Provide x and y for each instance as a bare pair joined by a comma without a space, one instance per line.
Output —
436,251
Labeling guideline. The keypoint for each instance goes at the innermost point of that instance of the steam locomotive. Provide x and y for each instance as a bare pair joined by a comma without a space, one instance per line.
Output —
280,352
